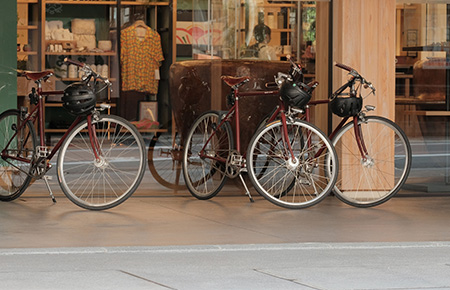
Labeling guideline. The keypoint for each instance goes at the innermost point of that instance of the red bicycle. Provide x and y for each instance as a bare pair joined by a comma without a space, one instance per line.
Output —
101,159
374,152
288,160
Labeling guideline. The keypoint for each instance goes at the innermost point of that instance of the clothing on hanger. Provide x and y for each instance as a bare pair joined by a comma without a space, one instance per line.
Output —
141,56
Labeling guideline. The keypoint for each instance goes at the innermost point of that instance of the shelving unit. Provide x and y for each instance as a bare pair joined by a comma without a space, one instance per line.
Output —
28,34
31,31
103,12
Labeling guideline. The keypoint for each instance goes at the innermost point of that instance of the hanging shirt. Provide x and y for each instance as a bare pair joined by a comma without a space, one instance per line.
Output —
141,54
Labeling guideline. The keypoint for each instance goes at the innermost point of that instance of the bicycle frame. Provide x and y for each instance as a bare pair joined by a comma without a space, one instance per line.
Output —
234,110
38,114
358,134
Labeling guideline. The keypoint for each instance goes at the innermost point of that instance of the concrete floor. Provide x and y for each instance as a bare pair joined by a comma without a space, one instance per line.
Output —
157,216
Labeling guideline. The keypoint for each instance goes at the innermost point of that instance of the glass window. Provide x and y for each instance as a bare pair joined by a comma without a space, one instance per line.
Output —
422,88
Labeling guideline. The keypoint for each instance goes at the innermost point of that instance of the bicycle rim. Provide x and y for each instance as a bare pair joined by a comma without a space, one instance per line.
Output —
286,183
165,160
13,173
370,181
106,182
205,175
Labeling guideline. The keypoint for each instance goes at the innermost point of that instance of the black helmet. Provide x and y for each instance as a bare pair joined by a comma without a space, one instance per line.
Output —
294,95
79,98
346,106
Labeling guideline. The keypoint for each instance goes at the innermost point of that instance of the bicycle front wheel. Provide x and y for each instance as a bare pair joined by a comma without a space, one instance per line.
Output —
205,171
292,183
370,180
165,156
14,173
107,181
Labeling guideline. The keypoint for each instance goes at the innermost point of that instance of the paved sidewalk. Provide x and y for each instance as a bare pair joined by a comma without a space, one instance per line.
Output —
160,239
282,266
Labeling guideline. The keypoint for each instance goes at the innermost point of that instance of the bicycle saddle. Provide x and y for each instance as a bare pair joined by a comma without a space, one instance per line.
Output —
233,81
37,75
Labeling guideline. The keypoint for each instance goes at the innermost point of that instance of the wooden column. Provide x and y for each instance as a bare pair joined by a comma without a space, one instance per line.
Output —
364,38
322,63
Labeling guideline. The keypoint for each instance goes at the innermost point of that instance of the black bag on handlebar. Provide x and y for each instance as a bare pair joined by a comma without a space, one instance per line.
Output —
346,106
294,94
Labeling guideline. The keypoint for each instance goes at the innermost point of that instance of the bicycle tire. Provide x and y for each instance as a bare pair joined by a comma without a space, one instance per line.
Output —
15,178
165,158
382,175
292,185
205,177
107,182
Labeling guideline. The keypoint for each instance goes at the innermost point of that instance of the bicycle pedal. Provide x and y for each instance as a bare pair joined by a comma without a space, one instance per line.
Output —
42,151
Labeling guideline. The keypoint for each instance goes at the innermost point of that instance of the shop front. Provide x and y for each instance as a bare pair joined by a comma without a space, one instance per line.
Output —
170,73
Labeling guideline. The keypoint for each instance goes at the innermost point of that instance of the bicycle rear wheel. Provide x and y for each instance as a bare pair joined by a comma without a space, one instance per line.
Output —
108,181
14,174
282,181
370,181
165,157
205,175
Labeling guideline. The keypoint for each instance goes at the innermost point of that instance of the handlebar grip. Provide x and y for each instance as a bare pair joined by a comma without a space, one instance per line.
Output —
71,61
343,66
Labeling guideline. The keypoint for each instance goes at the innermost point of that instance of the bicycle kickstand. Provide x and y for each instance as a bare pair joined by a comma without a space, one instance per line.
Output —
247,192
49,189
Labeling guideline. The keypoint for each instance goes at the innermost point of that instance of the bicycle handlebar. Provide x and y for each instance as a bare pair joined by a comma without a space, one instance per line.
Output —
71,61
344,67
356,75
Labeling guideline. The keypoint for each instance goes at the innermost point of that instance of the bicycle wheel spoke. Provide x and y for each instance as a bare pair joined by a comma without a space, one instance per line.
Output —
374,179
292,181
206,150
21,142
108,178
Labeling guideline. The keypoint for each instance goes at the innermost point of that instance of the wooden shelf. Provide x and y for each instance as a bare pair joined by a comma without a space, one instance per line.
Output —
25,53
27,27
112,53
27,1
276,5
84,2
429,113
137,3
282,30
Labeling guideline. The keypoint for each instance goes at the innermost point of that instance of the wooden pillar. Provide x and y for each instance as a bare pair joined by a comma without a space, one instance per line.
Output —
322,63
364,39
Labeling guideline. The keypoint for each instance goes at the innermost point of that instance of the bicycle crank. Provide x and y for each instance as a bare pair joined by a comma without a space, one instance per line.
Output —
235,162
